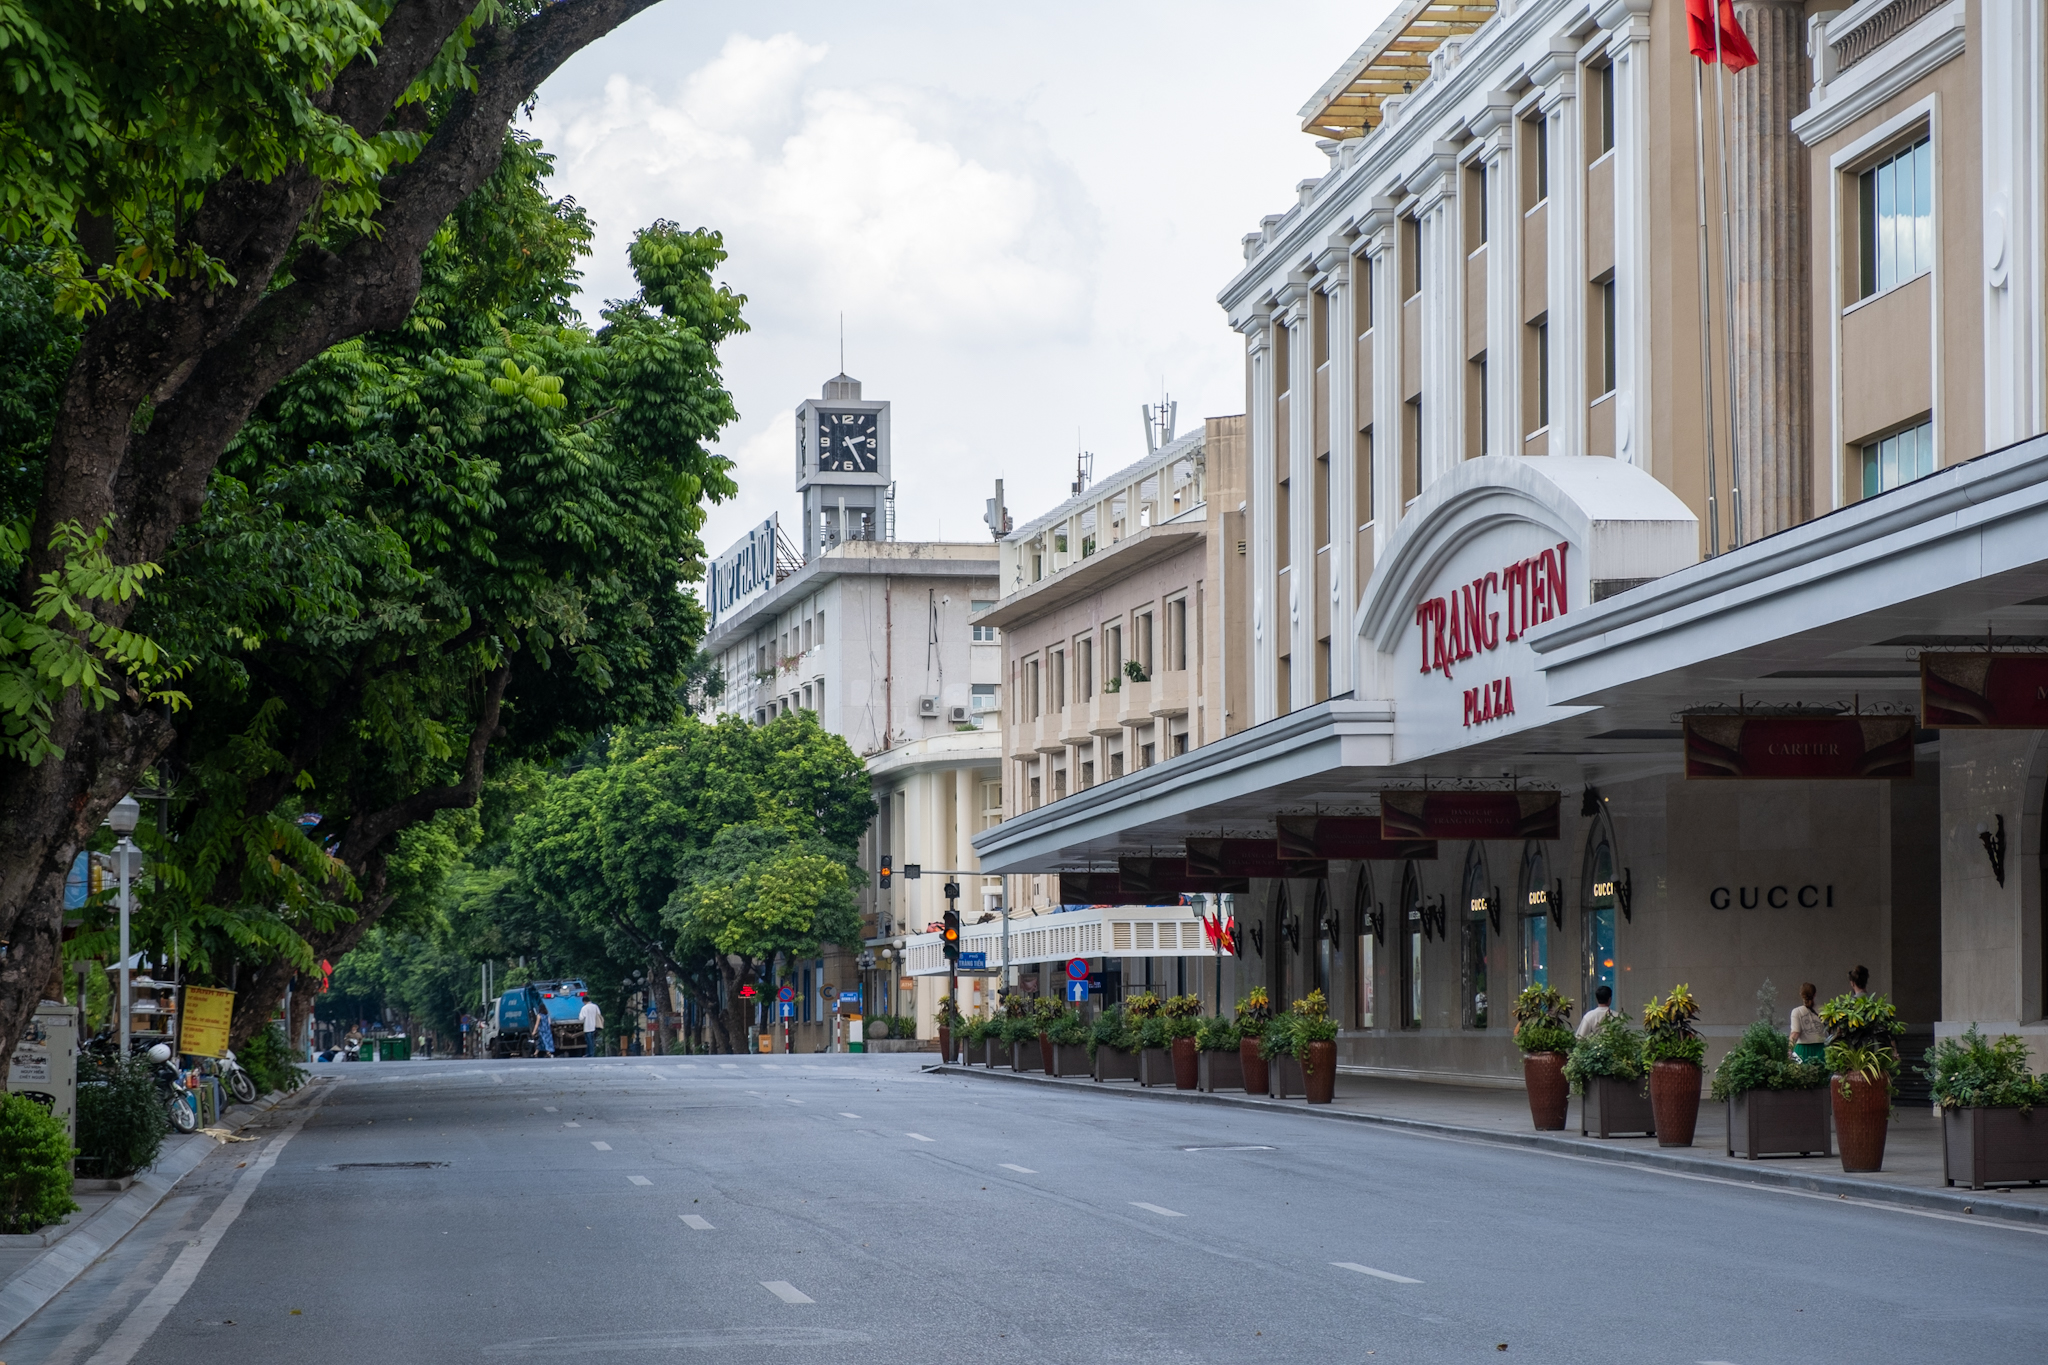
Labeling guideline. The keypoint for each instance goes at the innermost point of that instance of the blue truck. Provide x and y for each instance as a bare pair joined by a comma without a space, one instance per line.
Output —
509,1031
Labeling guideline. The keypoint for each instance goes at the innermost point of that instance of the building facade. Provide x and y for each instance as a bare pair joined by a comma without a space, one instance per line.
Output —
1580,474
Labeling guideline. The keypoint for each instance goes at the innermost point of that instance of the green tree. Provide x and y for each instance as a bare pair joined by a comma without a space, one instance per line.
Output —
224,192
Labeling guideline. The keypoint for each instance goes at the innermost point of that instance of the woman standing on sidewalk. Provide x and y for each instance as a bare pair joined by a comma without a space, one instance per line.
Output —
1809,1038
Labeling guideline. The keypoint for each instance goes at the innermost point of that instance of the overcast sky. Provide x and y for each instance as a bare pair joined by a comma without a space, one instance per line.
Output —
1024,213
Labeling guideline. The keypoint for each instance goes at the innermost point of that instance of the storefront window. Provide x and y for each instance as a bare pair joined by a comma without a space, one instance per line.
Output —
1598,919
1472,941
1535,917
1368,961
1326,940
1411,949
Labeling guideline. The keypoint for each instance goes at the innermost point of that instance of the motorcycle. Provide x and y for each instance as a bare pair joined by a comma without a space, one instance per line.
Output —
238,1081
181,1104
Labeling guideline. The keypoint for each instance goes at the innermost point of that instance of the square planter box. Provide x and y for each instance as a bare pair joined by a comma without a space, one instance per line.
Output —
1221,1071
1027,1056
1115,1064
1070,1059
1283,1074
1155,1066
1982,1147
993,1053
1780,1123
1614,1108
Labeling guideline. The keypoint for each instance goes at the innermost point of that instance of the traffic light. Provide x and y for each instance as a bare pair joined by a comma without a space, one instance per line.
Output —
885,872
950,935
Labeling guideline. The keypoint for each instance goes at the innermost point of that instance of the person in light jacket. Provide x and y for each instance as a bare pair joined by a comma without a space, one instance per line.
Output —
1809,1037
1603,998
592,1019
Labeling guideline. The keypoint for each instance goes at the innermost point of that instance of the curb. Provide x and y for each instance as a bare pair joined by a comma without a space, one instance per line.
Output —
1975,1204
71,1255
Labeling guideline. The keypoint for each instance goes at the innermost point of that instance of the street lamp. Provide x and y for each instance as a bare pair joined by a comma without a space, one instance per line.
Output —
122,819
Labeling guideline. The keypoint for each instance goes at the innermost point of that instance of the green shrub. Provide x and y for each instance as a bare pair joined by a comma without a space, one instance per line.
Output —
35,1166
1276,1037
1543,1020
1614,1050
1067,1029
1311,1024
268,1060
1668,1031
1975,1072
1862,1034
1254,1010
900,1025
1762,1060
121,1120
1219,1035
1107,1030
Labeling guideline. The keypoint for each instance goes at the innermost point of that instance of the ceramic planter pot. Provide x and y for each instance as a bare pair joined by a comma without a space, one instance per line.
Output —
1115,1064
945,1044
1251,1067
1675,1102
1155,1066
1285,1074
1319,1072
1615,1108
1070,1059
1550,1094
1862,1111
1779,1123
1981,1147
1045,1056
1027,1056
1186,1064
1221,1071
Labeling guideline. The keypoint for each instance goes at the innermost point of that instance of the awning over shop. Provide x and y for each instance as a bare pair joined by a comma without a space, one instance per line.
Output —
1094,931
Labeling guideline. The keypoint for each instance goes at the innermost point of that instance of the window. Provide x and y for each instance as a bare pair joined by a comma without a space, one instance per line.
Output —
1116,763
1146,754
1056,664
1031,692
1087,775
1362,476
1411,948
1084,668
1606,77
1059,783
985,698
1898,459
1542,159
1535,917
1609,343
1411,463
1479,379
1480,202
1597,919
983,635
1180,743
1177,634
1542,375
1411,257
1473,955
1113,653
1896,219
1034,794
1362,914
1141,641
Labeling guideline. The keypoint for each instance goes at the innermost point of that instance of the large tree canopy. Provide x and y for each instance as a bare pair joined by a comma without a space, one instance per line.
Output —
223,191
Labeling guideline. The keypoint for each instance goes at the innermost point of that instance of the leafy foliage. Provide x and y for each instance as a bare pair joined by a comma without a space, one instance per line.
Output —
1219,1035
1543,1020
1762,1060
1669,1034
35,1166
1310,1020
1106,1029
1862,1030
1975,1072
267,1058
1614,1050
1254,1008
121,1119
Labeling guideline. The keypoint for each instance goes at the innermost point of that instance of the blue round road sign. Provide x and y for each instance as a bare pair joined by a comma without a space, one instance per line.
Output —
786,994
1078,969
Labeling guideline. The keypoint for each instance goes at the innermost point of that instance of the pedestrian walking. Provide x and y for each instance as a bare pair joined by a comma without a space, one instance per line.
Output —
592,1019
1809,1038
543,1027
1599,1014
1859,979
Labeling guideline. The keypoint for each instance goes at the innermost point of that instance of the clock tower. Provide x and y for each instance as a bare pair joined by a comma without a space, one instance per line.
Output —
842,466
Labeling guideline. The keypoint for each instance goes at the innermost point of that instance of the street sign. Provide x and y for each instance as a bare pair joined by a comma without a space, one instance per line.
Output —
1077,990
786,994
786,1010
849,997
1077,970
912,871
974,962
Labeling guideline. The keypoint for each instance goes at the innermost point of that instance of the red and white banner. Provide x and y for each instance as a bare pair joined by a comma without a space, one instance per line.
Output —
1984,691
1468,815
1799,747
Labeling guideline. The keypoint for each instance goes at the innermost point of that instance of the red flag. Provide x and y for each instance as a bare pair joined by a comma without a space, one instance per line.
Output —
1736,53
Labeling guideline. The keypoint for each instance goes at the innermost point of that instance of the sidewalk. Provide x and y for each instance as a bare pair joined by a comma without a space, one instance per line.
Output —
35,1267
1911,1176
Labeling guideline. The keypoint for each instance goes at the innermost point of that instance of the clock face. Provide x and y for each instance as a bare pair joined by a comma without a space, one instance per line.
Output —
847,443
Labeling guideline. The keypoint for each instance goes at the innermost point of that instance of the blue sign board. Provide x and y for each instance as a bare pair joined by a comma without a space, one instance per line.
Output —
787,1010
849,997
1077,990
974,962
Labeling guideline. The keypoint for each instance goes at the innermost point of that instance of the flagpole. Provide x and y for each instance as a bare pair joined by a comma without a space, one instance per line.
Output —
1699,167
1728,274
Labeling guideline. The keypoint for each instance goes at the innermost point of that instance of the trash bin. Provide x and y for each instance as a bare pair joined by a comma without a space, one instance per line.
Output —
397,1048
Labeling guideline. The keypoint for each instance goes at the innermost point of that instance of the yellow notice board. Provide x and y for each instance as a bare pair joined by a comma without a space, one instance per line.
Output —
203,1023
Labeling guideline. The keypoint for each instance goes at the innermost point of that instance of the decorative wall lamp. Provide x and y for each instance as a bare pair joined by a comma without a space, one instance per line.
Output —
1256,932
1625,892
1994,847
1376,923
1557,904
1439,917
1290,929
1493,911
1589,803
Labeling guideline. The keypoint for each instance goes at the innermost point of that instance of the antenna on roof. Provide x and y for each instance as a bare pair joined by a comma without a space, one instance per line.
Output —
1084,465
1159,422
842,342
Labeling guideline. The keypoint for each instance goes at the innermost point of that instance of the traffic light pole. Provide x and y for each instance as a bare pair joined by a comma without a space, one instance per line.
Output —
952,942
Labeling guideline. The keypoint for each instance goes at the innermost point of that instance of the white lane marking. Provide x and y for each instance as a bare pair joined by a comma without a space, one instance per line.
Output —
1154,1208
787,1292
1376,1274
1020,1170
496,1079
787,1100
728,1066
656,1074
549,1109
639,1180
920,1137
602,1146
693,1221
843,1114
1256,1148
1717,1362
572,1124
147,1316
771,1066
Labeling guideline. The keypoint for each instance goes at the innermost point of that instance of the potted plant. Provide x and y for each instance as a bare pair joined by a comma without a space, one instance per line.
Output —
1283,1066
1045,1013
1221,1063
1107,1045
1149,1039
1252,1013
1990,1132
949,1027
1543,1032
1181,1020
1777,1104
1066,1040
1315,1045
1862,1056
1607,1069
1673,1051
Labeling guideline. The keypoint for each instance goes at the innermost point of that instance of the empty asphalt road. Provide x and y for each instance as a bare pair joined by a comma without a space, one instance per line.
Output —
857,1210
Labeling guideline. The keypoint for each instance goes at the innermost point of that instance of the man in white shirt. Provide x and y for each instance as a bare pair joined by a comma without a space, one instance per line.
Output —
592,1020
1599,1014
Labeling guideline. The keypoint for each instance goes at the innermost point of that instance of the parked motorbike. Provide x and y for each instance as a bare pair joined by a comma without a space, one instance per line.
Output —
179,1102
239,1083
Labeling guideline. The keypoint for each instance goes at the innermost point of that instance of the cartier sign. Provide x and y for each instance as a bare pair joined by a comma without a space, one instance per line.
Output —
1801,747
1984,691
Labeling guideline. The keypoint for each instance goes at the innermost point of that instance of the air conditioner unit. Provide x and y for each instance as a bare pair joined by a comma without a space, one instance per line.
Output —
928,707
959,715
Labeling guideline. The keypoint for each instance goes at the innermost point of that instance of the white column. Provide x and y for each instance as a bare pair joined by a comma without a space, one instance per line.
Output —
1567,252
1503,275
966,804
1335,264
1443,315
1630,53
1300,609
2011,52
1264,526
1379,226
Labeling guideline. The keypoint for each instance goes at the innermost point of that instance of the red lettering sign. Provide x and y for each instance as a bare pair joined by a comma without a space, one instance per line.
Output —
1468,815
1489,701
1345,836
1803,747
1465,622
1984,691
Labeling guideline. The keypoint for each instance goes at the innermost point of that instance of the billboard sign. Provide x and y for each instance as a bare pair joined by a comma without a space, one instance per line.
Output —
742,572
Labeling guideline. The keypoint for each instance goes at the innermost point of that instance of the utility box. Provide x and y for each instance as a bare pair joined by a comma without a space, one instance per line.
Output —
45,1063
